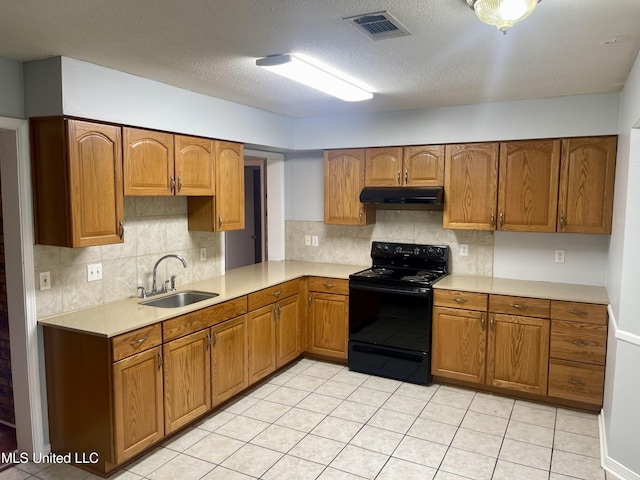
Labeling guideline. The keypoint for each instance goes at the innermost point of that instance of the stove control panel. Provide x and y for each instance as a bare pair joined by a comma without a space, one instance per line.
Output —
409,250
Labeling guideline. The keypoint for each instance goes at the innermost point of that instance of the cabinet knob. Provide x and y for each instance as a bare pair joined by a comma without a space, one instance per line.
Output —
580,313
460,300
172,184
121,223
492,220
501,219
179,183
562,221
492,323
398,177
219,221
276,293
406,177
328,285
482,322
519,306
360,216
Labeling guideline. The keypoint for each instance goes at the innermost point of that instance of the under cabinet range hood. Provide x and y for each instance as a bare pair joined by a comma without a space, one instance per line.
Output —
431,198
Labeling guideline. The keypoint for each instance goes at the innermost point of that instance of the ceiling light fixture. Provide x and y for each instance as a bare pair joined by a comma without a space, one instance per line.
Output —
502,13
304,72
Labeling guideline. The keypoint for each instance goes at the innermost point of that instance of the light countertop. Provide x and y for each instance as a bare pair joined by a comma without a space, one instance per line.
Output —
123,316
525,288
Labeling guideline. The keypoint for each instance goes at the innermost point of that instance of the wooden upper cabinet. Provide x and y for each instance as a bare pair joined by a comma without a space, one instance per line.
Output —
587,171
148,162
383,167
229,203
194,166
77,182
528,186
343,182
424,166
470,185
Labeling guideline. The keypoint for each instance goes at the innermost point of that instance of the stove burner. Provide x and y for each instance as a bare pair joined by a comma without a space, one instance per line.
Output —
369,274
427,275
414,278
382,271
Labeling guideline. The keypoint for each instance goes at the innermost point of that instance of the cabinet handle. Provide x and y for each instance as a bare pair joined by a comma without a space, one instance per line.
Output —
137,342
121,223
309,300
501,219
562,221
278,310
219,221
208,340
276,293
576,382
482,322
518,306
460,300
493,220
580,313
160,360
215,338
172,184
580,343
406,177
179,183
275,313
360,216
398,177
492,323
329,285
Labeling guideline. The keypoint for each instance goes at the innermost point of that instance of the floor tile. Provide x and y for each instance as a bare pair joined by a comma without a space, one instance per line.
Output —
337,429
215,421
452,398
305,382
119,475
252,460
293,468
62,471
350,377
151,461
383,384
286,396
420,451
360,461
525,454
299,367
443,413
402,404
32,467
367,396
481,422
587,425
525,432
491,406
336,389
299,419
468,464
317,449
221,473
354,411
215,448
376,439
263,390
390,420
242,428
281,439
442,475
396,469
433,431
241,404
323,370
578,444
335,474
536,405
13,473
533,416
578,466
183,467
266,411
282,378
477,442
184,440
319,403
512,471
420,392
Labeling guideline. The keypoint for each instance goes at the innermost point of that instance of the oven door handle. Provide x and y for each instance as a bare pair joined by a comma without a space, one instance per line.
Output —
369,288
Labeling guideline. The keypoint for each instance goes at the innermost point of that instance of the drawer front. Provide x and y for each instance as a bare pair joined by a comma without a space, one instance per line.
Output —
329,285
273,294
524,306
458,299
137,341
580,342
575,381
579,312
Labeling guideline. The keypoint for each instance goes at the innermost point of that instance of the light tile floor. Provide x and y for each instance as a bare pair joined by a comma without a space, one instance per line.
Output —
320,420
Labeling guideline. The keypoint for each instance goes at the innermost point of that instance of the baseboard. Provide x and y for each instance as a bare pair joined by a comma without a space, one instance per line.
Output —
613,468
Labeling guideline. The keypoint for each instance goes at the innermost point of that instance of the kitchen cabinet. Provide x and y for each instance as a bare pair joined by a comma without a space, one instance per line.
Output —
229,359
225,211
405,166
194,165
261,328
587,174
187,379
344,173
328,317
77,182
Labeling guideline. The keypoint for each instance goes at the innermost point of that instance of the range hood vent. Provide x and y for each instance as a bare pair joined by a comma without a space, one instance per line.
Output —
404,197
378,25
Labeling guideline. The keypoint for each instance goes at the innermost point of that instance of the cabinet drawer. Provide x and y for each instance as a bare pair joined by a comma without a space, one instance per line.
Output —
580,342
576,381
457,299
579,312
137,341
329,285
527,307
273,294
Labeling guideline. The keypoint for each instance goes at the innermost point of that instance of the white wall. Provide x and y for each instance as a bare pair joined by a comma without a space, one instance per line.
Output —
43,87
11,89
304,183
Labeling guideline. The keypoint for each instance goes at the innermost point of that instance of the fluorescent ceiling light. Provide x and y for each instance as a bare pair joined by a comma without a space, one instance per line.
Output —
304,72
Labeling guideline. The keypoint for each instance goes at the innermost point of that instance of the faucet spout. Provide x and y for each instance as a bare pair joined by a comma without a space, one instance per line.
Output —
154,287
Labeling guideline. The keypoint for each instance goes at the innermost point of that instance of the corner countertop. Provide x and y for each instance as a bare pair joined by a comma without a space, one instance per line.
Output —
569,292
123,316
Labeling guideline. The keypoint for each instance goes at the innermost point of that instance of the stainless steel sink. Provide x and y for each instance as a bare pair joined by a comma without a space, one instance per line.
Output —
179,299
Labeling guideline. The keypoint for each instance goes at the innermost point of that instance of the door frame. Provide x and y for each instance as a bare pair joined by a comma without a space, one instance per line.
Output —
19,263
261,164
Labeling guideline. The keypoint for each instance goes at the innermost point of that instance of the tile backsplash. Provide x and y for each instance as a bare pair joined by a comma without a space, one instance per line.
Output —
352,244
154,226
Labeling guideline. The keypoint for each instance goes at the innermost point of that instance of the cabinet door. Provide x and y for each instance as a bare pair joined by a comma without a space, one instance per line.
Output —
148,162
329,325
262,342
459,344
229,365
424,166
587,172
528,186
187,379
471,186
383,167
138,403
287,330
343,182
229,202
518,356
194,167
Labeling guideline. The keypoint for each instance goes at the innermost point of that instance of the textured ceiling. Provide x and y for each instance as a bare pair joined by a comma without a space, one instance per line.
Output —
566,47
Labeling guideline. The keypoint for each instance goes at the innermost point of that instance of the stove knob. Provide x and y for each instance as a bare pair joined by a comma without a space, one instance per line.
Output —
416,251
439,252
398,249
430,251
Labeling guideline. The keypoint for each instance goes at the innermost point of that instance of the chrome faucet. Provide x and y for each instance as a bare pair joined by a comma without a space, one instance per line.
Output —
154,287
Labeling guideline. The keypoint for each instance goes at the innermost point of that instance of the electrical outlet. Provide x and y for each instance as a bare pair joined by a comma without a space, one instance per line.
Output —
559,256
203,254
307,240
464,249
94,272
314,241
45,280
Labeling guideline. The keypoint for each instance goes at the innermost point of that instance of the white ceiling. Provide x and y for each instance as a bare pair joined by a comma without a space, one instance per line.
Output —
566,47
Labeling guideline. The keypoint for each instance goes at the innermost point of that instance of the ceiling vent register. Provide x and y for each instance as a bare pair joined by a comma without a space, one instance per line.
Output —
378,25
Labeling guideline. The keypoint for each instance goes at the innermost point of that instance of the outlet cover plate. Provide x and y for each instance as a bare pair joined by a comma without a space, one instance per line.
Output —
559,256
94,272
203,254
45,280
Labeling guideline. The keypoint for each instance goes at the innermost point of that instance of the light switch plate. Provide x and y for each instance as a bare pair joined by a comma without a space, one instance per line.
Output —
203,254
45,280
464,249
559,256
94,272
307,240
314,241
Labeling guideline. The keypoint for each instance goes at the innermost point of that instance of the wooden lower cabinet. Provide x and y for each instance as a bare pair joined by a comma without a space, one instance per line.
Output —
187,379
287,330
229,360
328,324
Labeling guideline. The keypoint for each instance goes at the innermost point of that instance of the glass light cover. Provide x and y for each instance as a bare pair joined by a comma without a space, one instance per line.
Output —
504,13
312,76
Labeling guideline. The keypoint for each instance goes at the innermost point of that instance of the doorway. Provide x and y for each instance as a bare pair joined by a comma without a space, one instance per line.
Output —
248,246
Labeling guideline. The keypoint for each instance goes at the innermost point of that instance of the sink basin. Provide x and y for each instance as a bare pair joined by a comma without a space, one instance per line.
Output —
179,299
